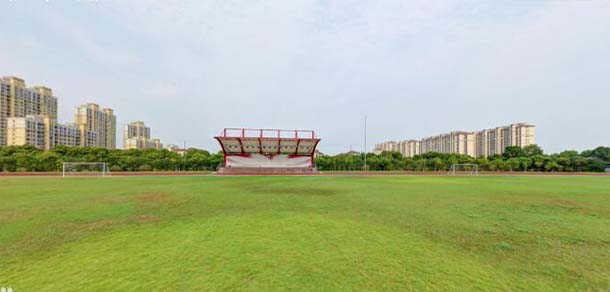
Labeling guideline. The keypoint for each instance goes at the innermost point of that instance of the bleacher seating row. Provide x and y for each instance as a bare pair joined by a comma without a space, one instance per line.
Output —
266,171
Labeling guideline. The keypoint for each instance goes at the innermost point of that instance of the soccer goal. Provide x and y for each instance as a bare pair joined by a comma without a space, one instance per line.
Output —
464,169
85,169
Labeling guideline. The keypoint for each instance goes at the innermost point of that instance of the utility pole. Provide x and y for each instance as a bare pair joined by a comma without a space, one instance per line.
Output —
183,153
365,143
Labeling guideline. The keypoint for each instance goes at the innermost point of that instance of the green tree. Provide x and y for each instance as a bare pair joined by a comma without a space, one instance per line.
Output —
437,164
513,152
595,164
513,164
532,150
525,163
601,153
530,158
552,165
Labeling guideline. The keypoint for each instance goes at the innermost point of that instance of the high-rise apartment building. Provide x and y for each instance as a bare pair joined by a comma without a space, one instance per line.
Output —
386,146
5,98
40,131
454,142
413,148
68,135
89,119
19,101
476,144
29,115
401,146
43,103
156,144
26,131
409,148
136,135
493,141
136,129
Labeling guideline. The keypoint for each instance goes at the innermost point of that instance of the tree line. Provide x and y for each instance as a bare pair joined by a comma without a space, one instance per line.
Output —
529,158
29,158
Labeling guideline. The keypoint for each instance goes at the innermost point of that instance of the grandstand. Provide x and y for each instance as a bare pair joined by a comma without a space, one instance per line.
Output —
267,151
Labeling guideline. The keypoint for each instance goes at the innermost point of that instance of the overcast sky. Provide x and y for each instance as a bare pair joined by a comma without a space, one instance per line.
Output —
415,68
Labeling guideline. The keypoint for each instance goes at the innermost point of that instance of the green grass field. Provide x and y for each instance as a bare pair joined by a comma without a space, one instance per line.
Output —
305,233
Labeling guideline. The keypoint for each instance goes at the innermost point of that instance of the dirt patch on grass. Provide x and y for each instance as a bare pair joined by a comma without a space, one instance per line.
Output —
155,198
563,203
109,200
301,191
556,206
144,218
99,224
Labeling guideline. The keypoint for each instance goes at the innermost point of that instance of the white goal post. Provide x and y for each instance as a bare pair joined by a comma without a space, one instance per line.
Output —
85,169
464,169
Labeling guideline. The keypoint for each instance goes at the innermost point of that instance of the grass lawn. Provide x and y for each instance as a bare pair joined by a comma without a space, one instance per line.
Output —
409,233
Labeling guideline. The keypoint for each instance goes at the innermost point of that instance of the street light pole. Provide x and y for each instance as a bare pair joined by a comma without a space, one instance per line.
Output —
365,143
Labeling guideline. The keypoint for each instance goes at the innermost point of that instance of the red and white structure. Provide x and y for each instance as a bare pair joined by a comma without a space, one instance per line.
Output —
267,150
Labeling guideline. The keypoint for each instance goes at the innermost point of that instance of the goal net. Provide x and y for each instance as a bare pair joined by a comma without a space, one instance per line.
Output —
85,169
464,169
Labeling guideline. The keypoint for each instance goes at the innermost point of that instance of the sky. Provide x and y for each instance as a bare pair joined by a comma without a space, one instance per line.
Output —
414,68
